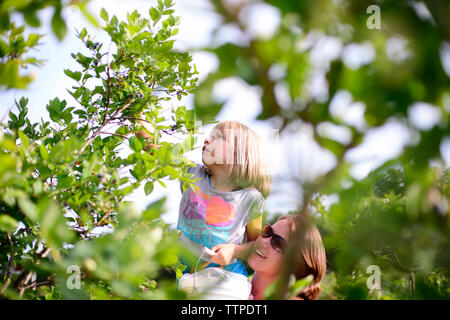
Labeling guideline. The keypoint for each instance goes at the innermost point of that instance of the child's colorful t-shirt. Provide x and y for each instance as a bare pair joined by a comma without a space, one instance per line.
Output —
208,217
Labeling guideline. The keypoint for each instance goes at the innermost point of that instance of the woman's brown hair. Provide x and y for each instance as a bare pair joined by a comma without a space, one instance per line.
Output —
311,258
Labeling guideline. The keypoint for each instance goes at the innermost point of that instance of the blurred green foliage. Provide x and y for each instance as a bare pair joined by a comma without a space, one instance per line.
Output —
16,41
375,224
396,218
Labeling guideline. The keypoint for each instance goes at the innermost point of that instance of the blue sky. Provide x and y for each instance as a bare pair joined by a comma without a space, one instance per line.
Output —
297,156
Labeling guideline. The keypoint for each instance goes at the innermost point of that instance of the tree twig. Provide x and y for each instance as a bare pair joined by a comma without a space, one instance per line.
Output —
115,134
100,129
25,281
100,223
23,286
36,284
108,97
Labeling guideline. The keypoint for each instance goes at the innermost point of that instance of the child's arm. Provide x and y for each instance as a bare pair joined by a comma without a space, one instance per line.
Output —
253,229
225,252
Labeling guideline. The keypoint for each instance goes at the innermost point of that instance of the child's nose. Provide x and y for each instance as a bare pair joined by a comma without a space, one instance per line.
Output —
207,141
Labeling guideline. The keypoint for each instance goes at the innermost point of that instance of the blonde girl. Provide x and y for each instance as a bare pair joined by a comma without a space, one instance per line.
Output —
228,203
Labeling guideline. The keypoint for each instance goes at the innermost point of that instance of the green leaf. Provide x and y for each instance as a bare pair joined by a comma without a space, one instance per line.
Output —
65,181
171,21
135,144
8,223
37,187
33,39
16,31
155,15
155,209
269,292
114,21
162,184
43,152
104,14
184,67
53,226
13,117
31,18
166,46
59,26
23,102
8,198
299,285
83,33
164,154
74,75
148,188
23,138
29,209
140,170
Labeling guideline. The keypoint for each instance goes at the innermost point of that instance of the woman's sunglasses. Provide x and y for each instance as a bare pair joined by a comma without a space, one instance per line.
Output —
278,242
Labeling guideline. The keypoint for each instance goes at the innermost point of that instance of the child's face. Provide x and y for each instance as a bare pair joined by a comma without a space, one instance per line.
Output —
214,149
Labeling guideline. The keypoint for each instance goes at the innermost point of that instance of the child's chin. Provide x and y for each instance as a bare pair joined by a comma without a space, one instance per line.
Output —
208,164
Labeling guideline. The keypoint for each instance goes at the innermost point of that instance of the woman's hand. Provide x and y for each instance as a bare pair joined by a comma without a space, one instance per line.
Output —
224,253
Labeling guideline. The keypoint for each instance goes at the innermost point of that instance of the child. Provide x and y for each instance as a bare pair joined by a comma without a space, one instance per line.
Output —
229,200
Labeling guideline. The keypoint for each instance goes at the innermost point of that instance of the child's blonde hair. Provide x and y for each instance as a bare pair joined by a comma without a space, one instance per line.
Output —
248,166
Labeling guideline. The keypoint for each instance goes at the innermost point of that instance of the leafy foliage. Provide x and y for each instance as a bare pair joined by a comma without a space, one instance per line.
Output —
398,212
64,181
15,44
382,227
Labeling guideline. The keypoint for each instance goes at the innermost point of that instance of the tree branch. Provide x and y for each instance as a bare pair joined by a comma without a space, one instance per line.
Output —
115,134
100,129
23,286
36,284
108,98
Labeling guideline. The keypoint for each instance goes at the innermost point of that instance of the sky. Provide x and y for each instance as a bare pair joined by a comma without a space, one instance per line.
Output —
295,155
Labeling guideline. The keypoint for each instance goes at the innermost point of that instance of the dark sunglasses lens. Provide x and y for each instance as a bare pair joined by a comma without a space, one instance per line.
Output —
278,243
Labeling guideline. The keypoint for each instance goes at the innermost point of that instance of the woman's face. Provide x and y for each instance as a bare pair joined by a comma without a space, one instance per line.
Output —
265,259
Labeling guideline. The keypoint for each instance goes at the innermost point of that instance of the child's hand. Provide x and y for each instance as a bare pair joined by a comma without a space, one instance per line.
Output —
224,253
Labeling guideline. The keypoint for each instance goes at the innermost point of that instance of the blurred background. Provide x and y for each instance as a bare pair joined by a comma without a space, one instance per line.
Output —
352,99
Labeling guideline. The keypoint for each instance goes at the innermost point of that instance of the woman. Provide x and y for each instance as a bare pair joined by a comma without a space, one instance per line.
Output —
270,251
